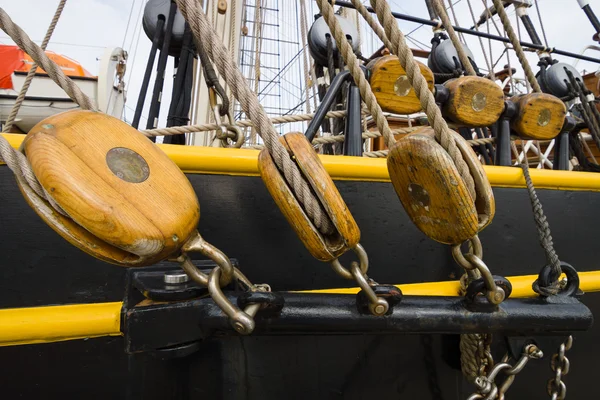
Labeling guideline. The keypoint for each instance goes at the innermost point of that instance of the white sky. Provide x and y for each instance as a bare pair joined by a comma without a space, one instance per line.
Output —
88,26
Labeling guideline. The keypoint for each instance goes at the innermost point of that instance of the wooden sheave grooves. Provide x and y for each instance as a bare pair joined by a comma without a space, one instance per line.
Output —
127,202
322,247
432,191
391,86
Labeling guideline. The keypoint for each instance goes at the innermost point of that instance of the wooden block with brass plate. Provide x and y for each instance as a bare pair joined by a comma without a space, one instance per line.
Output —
127,202
392,88
432,191
473,101
322,247
222,7
540,116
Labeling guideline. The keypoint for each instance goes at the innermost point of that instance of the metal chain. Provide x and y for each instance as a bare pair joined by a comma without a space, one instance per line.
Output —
487,387
560,365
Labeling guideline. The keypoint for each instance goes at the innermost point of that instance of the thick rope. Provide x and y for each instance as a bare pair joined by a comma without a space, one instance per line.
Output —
14,159
194,15
354,66
258,14
418,82
41,59
514,40
544,234
365,135
462,55
21,97
177,130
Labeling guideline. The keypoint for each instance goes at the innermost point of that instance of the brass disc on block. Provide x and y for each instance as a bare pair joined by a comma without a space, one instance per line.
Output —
127,202
432,191
540,116
473,101
392,88
322,247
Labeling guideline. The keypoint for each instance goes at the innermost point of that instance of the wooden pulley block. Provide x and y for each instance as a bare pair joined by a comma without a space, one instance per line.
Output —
323,247
222,6
432,192
473,101
127,202
540,116
392,88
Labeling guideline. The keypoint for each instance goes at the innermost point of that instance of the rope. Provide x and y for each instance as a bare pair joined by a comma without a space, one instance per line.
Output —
365,135
418,82
485,57
258,14
462,55
514,40
303,33
177,130
356,71
232,38
21,97
544,234
15,160
193,13
41,59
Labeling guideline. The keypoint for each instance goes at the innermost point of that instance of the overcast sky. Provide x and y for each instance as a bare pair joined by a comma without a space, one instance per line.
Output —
88,26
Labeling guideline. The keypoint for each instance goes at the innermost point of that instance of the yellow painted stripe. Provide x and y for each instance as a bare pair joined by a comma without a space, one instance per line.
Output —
211,160
589,282
58,323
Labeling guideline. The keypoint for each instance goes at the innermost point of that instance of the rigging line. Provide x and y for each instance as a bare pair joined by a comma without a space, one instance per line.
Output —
137,24
61,43
539,14
462,37
421,45
281,78
128,23
487,61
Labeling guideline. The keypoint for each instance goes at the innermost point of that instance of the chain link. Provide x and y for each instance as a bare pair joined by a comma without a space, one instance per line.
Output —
358,272
475,267
560,365
487,387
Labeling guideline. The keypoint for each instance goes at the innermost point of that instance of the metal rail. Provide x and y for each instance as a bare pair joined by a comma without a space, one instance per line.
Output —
485,35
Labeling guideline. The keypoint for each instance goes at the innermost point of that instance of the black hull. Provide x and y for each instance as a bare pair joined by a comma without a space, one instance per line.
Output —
238,216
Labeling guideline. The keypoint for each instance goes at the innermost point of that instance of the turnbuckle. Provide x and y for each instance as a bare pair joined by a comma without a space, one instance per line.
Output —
358,272
226,130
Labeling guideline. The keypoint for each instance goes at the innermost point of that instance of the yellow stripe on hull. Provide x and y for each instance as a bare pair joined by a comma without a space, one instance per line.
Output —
212,160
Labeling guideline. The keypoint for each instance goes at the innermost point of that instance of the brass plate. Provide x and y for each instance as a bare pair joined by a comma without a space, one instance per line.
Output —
127,165
479,102
402,86
544,117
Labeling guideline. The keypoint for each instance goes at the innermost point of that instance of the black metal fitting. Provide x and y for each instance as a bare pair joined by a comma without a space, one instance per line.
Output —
442,94
477,288
389,293
545,279
271,302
